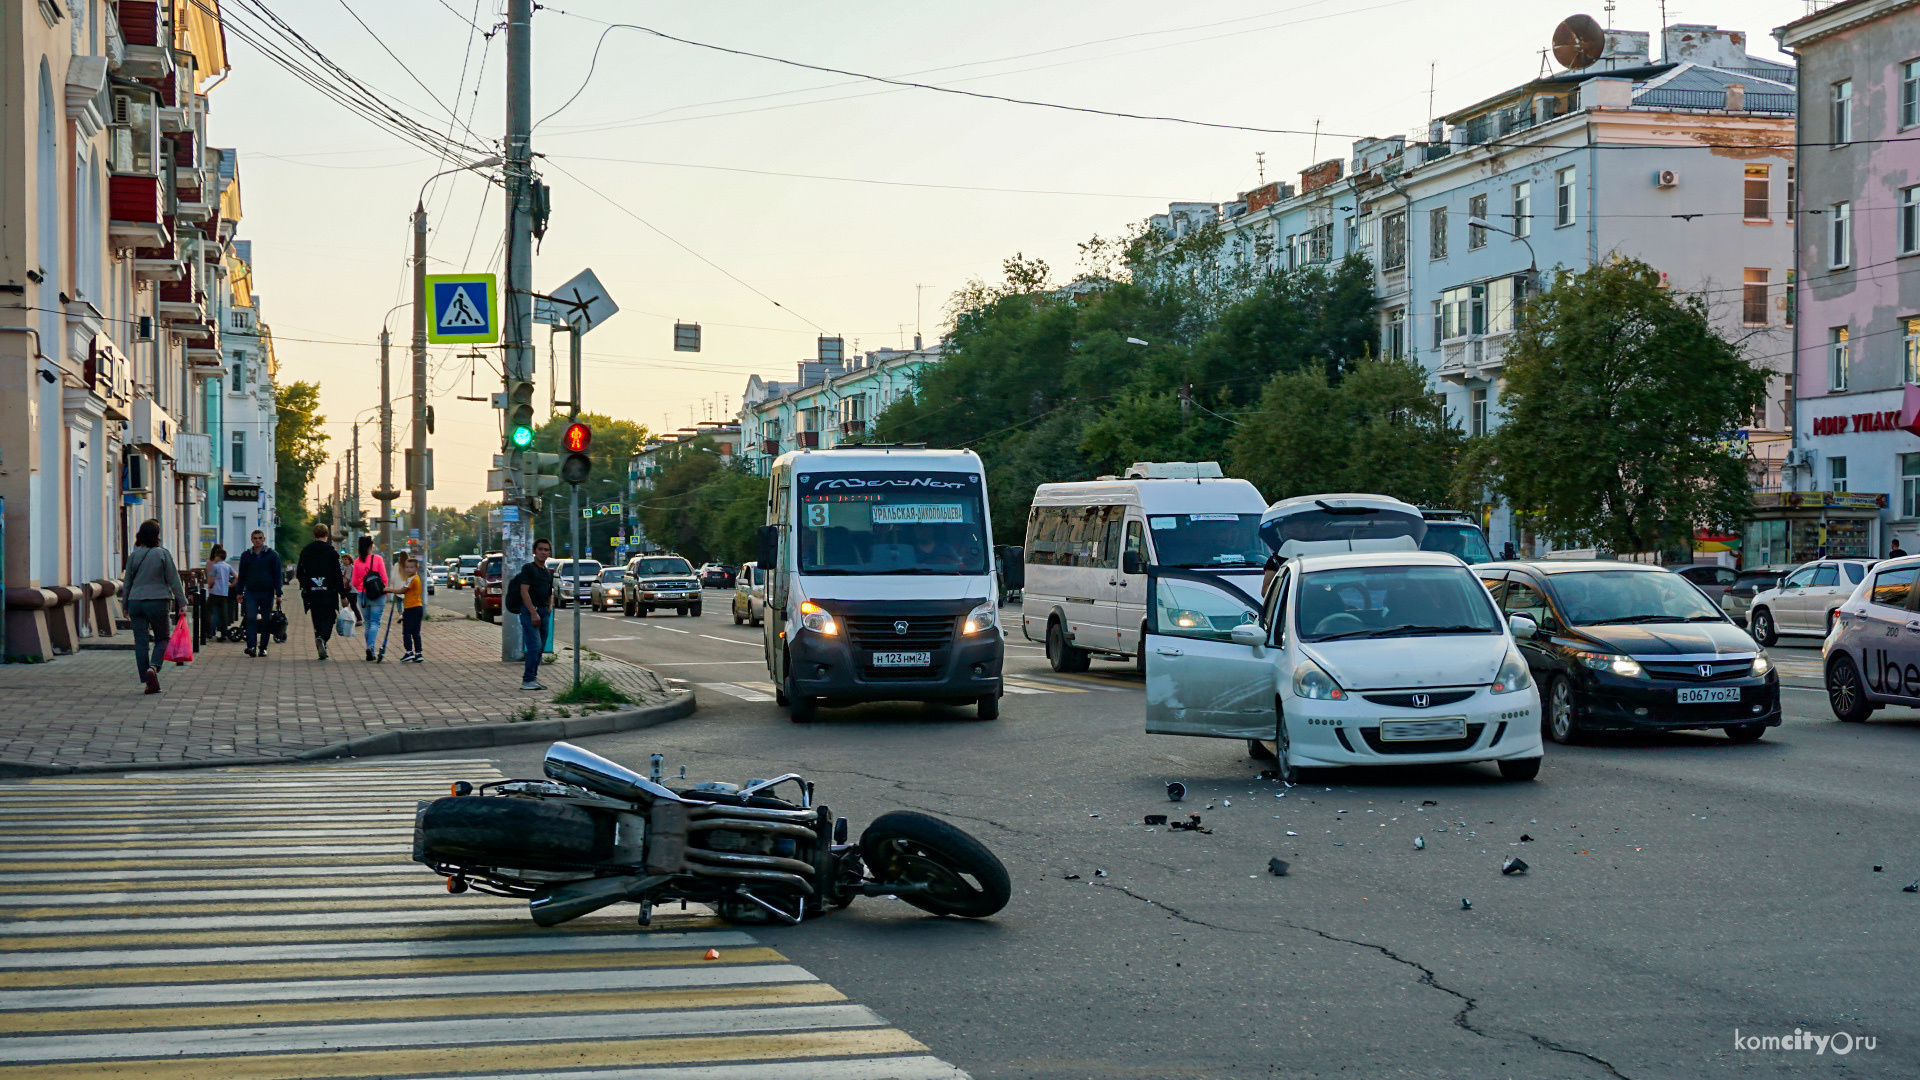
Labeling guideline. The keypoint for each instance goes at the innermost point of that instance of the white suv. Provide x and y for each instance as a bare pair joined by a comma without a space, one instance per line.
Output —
1805,600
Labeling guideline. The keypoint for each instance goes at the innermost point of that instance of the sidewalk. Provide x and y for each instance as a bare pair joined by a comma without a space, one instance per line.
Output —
89,709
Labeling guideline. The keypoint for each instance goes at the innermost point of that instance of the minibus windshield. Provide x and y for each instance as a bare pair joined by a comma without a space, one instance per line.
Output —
1207,541
890,523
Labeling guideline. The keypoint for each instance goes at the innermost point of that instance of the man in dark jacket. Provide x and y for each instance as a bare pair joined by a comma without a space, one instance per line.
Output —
259,583
322,586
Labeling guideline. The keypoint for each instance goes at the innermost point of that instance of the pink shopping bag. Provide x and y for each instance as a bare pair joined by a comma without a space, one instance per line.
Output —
180,646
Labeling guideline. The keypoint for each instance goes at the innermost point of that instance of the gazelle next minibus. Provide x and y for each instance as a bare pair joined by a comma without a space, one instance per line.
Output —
881,585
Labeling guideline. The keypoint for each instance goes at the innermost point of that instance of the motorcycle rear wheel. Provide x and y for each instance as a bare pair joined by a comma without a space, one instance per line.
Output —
904,846
522,834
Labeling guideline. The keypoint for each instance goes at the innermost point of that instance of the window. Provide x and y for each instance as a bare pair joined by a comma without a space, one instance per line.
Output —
1437,243
1910,485
1523,208
1463,311
1438,328
1500,298
1792,303
1837,473
1393,334
1838,361
1910,93
1911,351
1910,221
1842,133
1476,236
1892,587
1793,192
1564,206
237,463
1760,412
1319,243
1840,252
1523,597
1757,207
239,373
1753,298
1477,412
1393,240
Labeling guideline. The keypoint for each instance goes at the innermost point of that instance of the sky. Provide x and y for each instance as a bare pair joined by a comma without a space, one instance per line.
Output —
771,203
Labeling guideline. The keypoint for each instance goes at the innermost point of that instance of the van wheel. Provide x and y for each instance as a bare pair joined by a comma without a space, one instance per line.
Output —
1061,656
695,610
801,709
1760,623
737,620
1140,657
1745,732
989,706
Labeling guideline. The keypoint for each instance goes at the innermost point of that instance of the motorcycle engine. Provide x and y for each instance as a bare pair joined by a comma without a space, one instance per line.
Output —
751,843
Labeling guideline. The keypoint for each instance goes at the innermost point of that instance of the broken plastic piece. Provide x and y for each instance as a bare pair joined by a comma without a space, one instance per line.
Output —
1525,839
1466,904
1226,802
1915,887
1176,791
1277,867
1099,873
1513,866
1430,802
1877,868
713,954
1419,843
1073,877
1155,819
1290,832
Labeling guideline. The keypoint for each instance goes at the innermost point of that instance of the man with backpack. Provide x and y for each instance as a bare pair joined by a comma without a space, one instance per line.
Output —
321,586
259,581
530,596
370,577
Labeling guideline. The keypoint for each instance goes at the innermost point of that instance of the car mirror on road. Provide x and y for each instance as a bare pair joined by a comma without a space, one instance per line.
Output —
1522,626
1248,634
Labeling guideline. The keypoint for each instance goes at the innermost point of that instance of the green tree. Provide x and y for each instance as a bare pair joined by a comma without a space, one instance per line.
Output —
614,442
299,449
1378,430
704,507
459,532
1617,401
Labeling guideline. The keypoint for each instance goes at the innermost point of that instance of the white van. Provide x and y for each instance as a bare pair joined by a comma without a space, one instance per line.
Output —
882,585
1365,651
1089,545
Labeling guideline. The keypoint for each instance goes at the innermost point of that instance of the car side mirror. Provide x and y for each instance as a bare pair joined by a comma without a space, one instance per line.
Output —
1013,567
769,544
1522,626
1252,634
1132,563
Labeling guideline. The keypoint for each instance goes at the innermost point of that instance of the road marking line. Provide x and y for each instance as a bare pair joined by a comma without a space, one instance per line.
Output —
196,834
140,857
431,887
1044,688
763,687
464,913
301,990
123,816
151,875
326,969
1013,689
891,1068
734,690
735,641
696,918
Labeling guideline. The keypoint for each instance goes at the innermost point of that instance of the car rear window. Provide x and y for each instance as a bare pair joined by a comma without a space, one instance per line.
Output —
1855,572
1826,574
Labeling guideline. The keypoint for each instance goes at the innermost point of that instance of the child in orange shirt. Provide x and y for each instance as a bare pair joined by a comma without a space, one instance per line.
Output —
413,606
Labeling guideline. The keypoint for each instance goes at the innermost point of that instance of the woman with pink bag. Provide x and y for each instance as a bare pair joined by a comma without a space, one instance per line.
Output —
152,589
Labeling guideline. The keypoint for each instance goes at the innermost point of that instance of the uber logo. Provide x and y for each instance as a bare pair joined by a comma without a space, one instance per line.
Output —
1886,676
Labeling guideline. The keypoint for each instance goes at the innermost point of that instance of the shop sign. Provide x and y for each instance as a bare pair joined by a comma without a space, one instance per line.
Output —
1811,500
240,492
1868,421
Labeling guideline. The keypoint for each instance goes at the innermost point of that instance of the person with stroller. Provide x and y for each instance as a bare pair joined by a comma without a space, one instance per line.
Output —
220,613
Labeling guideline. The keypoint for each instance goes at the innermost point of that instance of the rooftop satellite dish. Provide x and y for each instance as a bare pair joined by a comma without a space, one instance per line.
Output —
1577,42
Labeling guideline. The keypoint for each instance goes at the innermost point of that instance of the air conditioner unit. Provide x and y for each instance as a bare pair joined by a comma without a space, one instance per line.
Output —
1800,458
137,482
1666,178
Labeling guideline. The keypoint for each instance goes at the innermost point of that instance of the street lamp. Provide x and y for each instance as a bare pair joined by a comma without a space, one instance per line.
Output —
1533,263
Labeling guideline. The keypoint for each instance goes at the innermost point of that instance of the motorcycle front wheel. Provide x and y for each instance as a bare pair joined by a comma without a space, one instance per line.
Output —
962,877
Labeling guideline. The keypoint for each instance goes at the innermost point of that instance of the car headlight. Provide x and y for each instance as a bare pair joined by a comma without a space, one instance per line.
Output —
1513,675
1762,665
817,619
980,620
1310,681
1614,662
1187,618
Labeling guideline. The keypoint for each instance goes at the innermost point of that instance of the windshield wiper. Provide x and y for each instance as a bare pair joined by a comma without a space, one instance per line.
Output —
915,570
825,570
1411,630
1638,619
1706,618
1368,632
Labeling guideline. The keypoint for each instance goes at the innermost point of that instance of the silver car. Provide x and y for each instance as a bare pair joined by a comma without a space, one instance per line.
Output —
1737,600
1805,601
610,590
1872,657
749,595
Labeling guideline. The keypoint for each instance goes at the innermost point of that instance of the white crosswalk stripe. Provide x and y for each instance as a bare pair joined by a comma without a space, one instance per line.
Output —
180,928
735,690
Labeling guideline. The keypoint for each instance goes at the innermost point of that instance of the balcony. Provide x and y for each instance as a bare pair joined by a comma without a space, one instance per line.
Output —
1469,359
137,212
203,349
770,447
160,262
852,427
809,440
179,302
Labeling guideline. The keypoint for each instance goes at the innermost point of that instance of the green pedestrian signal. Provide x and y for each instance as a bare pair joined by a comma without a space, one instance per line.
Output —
520,413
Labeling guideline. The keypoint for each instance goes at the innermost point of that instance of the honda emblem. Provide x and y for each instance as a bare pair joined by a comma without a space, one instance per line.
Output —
1706,671
1421,701
899,626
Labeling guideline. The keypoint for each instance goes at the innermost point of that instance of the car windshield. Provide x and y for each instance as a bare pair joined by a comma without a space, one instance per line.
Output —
1393,601
583,570
666,565
1457,538
891,523
1592,597
493,567
1205,541
612,574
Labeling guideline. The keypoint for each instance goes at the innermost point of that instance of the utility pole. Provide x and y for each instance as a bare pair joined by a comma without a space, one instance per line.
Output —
386,492
417,472
353,481
517,301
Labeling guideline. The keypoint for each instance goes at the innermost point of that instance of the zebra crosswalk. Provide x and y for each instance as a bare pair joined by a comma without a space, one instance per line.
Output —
268,924
745,690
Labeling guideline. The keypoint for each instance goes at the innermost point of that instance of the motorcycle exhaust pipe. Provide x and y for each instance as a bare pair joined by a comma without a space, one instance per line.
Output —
574,899
570,764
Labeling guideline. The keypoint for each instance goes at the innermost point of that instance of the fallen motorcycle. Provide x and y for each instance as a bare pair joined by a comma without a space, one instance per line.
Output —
596,833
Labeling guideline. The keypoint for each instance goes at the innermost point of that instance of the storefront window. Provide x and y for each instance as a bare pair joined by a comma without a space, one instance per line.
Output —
1766,544
1910,485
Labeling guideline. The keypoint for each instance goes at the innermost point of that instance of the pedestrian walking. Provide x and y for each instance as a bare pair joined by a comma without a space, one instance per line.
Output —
370,579
152,589
322,586
1896,551
413,606
530,595
353,596
258,580
220,574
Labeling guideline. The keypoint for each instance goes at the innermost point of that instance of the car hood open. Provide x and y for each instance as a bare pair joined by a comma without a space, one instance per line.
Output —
1395,663
1671,639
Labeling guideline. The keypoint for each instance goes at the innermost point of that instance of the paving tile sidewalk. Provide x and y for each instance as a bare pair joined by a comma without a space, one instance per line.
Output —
89,708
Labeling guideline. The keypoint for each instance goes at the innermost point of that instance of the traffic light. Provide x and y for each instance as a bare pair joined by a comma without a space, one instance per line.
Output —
539,472
576,469
519,413
577,438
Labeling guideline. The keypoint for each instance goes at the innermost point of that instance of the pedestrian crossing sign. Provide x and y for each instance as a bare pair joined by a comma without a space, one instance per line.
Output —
463,309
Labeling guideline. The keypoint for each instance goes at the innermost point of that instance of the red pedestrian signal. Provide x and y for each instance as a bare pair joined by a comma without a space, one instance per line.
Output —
577,438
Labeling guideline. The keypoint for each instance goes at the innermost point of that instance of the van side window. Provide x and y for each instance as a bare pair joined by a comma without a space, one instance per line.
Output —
1136,540
1107,555
1043,535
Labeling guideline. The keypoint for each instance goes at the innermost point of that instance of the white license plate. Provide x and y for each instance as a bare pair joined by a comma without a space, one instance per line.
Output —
902,659
1418,730
1708,697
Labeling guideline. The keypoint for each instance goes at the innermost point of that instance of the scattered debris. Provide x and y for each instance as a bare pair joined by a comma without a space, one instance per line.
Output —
1915,887
1338,843
1099,873
1226,802
1533,821
1073,877
1209,806
1339,811
1513,866
1419,843
1192,824
1155,819
1176,791
1277,867
1466,904
1430,802
1093,815
1877,868
1290,832
1525,839
713,954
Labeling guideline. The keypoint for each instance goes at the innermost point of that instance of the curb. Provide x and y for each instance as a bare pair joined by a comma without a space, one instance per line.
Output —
402,742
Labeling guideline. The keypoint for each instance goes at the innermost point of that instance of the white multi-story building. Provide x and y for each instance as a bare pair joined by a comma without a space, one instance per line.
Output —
831,402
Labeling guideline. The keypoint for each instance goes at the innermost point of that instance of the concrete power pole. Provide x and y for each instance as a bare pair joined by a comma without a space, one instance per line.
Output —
386,493
417,468
517,301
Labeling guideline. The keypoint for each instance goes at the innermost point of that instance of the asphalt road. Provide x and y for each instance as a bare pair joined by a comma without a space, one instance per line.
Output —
1681,888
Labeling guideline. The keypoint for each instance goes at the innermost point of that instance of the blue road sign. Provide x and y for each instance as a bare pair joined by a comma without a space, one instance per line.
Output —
464,308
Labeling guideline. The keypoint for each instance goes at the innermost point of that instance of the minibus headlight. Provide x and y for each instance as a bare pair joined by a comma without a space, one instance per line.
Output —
981,619
817,619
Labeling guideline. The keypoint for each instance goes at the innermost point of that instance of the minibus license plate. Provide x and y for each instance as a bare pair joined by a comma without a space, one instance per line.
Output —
1706,697
902,659
1415,730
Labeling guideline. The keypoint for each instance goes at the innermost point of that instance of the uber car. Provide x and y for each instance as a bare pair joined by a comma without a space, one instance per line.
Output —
1805,600
1631,647
1872,658
1364,651
657,581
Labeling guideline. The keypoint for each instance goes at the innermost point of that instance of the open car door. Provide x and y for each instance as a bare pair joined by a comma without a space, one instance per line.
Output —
1210,661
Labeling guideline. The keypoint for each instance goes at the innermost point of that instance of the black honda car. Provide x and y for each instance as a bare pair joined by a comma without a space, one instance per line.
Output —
1631,647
